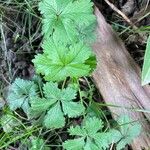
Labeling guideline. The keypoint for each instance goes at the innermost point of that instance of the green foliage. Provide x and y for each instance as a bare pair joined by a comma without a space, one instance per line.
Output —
2,103
20,93
146,65
68,28
38,144
67,25
60,61
8,123
56,104
128,130
64,19
92,137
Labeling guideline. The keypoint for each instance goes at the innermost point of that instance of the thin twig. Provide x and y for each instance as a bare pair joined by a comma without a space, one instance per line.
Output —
5,79
147,4
121,14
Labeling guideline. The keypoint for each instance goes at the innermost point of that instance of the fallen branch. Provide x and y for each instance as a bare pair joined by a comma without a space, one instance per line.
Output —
118,79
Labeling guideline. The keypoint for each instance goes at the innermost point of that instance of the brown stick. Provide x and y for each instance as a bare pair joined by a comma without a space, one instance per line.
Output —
118,78
121,14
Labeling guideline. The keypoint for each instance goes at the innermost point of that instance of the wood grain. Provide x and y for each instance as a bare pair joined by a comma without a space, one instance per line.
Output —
118,79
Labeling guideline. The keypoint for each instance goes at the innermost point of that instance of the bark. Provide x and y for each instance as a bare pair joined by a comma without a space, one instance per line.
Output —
118,79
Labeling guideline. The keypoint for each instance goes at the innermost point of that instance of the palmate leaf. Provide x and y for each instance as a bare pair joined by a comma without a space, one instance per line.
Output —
146,65
77,130
56,104
90,145
104,139
40,105
20,93
54,117
76,144
96,139
94,127
128,130
72,109
86,33
90,132
62,17
38,144
60,61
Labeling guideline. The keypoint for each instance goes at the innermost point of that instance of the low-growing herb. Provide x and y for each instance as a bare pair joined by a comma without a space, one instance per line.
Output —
56,101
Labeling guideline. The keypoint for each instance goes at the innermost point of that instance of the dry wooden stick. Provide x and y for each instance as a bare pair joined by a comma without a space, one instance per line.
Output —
121,14
118,79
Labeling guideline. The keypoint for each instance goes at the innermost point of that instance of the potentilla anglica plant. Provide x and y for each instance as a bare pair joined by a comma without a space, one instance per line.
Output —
68,31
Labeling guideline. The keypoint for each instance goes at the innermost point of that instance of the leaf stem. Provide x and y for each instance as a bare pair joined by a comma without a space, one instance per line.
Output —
80,95
63,85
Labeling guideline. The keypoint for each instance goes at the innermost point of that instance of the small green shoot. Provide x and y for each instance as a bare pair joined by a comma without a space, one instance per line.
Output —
146,65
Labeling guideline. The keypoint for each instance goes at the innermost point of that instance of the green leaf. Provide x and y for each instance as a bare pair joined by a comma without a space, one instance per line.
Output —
96,139
91,61
85,33
38,144
128,127
90,132
76,144
8,123
113,136
39,105
122,143
105,139
102,140
60,61
77,130
68,94
129,130
2,103
72,109
90,145
37,80
54,117
52,91
20,93
56,104
93,125
146,65
63,17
